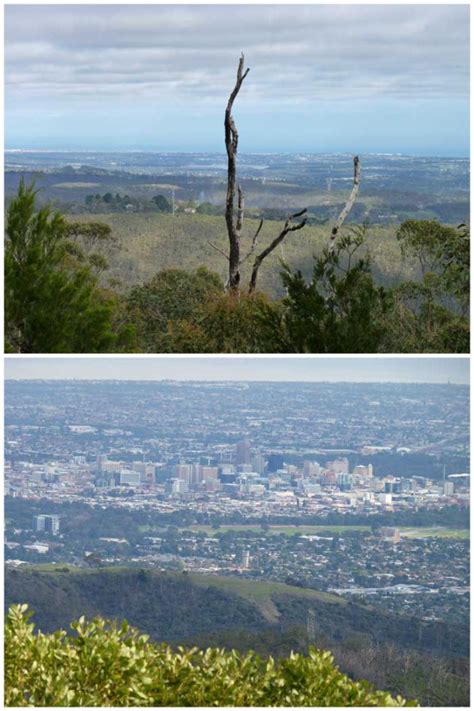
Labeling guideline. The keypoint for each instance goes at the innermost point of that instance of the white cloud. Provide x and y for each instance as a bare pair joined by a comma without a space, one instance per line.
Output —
308,52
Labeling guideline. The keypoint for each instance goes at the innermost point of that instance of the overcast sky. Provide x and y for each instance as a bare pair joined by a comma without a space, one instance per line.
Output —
358,78
365,369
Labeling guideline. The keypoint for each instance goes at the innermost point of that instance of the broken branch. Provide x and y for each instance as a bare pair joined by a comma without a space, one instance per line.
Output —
218,250
254,243
349,204
288,227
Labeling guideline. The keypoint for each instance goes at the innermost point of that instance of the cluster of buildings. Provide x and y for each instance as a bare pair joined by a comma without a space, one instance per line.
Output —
239,481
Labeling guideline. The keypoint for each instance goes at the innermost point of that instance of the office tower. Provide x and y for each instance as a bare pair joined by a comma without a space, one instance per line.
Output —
311,469
275,462
344,481
258,463
146,470
46,523
209,473
242,453
183,472
129,477
362,471
340,466
176,486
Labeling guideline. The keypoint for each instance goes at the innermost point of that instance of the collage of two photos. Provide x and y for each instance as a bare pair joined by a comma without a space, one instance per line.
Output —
237,355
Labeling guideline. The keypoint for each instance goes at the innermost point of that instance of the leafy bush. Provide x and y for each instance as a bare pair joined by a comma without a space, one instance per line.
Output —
173,296
52,303
341,310
106,664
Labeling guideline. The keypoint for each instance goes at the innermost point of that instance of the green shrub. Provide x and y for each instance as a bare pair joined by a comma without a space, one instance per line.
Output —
106,664
52,300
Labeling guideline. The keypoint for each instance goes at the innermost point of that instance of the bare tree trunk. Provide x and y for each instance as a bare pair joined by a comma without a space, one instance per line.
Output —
349,204
234,223
234,226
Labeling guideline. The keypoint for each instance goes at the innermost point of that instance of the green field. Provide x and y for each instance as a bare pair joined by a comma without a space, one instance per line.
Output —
149,242
276,530
405,531
426,532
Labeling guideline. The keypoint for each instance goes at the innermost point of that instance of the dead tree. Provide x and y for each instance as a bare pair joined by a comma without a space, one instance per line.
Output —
348,206
233,222
235,217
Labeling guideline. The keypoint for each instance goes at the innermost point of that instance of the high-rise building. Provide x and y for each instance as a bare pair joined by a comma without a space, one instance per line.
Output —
362,471
245,559
128,477
311,469
176,486
258,463
146,470
47,523
243,452
100,461
209,473
244,468
183,472
448,488
344,481
340,466
329,478
275,462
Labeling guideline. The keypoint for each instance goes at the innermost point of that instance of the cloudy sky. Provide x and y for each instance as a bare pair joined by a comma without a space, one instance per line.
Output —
358,78
300,369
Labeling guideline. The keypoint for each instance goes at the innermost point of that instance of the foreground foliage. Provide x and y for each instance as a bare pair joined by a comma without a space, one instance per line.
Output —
109,665
52,300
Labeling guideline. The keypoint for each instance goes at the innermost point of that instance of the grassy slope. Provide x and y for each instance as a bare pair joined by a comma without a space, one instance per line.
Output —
257,593
150,242
260,593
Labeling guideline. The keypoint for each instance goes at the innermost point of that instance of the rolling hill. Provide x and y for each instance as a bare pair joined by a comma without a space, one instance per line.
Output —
149,242
173,607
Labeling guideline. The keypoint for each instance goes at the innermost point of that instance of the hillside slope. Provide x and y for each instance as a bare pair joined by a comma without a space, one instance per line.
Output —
150,242
173,607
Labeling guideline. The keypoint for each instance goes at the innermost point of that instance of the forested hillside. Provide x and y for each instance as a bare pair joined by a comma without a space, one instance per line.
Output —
150,242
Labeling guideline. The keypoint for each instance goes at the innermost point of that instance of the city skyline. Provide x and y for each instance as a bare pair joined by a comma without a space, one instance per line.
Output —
142,71
243,369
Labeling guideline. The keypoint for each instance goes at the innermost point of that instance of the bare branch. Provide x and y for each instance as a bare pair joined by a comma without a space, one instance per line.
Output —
219,250
254,243
231,143
288,227
349,204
